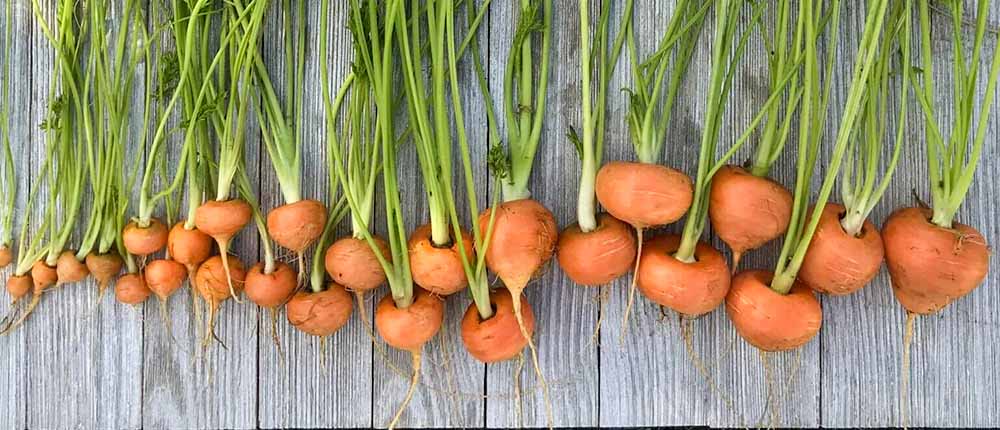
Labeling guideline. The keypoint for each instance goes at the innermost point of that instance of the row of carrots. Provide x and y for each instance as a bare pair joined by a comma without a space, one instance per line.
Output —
405,61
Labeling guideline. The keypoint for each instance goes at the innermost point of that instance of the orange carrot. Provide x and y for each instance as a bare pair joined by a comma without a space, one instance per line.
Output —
599,256
270,290
104,267
143,241
692,289
769,320
131,289
747,211
438,269
837,262
352,263
320,314
643,195
164,277
69,270
409,328
498,338
296,226
222,219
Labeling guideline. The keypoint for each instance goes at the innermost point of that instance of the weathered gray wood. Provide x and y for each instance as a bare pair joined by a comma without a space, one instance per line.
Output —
451,381
317,378
13,358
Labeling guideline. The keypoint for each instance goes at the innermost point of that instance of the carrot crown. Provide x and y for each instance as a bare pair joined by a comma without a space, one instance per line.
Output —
595,58
649,112
524,106
951,160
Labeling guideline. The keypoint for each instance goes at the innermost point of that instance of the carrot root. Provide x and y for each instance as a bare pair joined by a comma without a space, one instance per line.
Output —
631,290
224,253
36,297
736,261
416,354
166,320
516,295
273,312
687,333
904,386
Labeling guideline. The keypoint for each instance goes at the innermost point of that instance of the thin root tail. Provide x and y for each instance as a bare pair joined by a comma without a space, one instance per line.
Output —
631,289
224,254
35,299
409,392
904,386
516,293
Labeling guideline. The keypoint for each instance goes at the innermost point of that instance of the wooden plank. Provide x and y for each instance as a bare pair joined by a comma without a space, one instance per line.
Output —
565,314
13,360
99,349
953,367
452,383
186,386
299,383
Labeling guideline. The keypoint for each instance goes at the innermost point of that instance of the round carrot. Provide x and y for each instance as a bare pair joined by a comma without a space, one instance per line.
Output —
222,219
746,210
296,226
18,286
131,289
43,276
144,240
104,267
212,281
164,277
523,240
438,269
320,314
769,320
409,328
837,262
188,247
692,289
270,290
352,263
69,270
932,266
599,256
6,256
498,338
643,194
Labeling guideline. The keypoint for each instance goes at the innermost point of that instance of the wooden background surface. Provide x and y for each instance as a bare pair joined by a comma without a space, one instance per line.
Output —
111,366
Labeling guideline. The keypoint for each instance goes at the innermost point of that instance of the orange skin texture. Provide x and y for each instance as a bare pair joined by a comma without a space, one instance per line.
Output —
43,276
498,338
104,267
932,266
600,256
296,226
69,270
748,211
320,314
438,269
144,241
524,240
353,264
211,279
691,289
6,256
270,290
410,328
131,289
838,263
164,277
772,321
644,195
18,286
188,247
222,219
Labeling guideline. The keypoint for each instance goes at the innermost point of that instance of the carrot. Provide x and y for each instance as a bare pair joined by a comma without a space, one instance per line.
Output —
164,277
497,338
747,210
131,289
320,313
523,240
18,286
143,241
692,289
42,277
270,290
69,270
769,320
351,263
643,194
438,268
932,266
409,328
104,267
188,246
222,220
599,256
839,262
6,256
296,226
217,281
